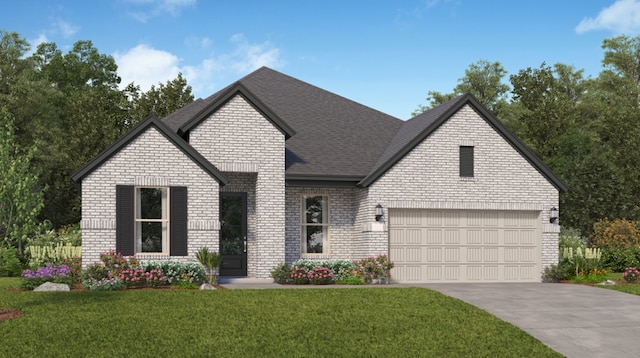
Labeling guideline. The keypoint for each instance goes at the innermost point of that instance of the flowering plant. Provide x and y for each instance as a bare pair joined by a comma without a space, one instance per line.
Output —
631,274
139,278
375,267
320,276
105,284
48,273
300,275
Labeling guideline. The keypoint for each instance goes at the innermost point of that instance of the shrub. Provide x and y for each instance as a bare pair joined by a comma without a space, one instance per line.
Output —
10,264
375,267
631,274
175,270
185,281
49,273
104,284
115,263
75,265
335,266
281,273
617,260
617,234
320,276
299,275
350,276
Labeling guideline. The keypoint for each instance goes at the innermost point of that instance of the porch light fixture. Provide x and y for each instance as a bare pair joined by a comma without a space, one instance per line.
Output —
379,212
553,215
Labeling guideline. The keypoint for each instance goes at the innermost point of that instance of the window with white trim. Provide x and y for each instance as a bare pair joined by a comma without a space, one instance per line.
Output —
152,220
315,224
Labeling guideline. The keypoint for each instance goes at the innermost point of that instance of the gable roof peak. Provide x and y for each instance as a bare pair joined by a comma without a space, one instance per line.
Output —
233,90
151,121
418,128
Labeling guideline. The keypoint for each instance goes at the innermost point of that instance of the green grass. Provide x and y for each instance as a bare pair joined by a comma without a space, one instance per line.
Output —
9,282
355,322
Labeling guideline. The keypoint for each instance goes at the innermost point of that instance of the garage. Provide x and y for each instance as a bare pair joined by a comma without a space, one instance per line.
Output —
464,245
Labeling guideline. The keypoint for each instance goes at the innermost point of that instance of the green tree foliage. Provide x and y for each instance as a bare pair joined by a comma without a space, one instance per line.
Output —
161,101
482,79
20,193
71,105
586,129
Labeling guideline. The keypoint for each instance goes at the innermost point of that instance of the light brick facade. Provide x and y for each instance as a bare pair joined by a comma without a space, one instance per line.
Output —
250,151
239,139
428,178
149,160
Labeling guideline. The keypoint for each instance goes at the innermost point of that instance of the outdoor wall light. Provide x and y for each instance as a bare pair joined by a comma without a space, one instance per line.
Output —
379,212
553,215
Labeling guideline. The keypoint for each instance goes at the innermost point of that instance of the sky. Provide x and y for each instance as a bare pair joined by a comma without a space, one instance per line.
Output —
384,54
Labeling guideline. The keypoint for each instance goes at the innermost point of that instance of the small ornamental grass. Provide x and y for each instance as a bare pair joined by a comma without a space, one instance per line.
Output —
631,275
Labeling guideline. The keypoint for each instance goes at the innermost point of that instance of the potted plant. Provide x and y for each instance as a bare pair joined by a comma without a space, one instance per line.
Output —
211,260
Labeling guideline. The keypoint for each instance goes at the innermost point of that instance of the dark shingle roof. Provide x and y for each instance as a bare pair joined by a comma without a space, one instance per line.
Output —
334,136
331,138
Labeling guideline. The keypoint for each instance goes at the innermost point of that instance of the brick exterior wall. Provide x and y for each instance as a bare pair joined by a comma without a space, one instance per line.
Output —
239,139
428,178
149,160
342,228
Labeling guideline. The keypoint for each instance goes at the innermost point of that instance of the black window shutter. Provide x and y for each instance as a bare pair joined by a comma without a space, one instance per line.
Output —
125,220
178,223
466,161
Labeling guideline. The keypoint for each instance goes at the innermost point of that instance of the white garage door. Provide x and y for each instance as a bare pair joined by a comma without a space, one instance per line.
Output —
464,245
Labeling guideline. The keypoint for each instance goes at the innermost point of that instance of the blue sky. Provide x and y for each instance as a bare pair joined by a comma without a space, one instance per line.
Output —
383,54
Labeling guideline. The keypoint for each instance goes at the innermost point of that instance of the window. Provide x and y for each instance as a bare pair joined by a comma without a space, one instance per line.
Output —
466,161
315,224
159,204
152,220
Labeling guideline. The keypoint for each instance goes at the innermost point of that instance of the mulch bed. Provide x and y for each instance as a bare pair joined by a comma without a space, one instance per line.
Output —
9,313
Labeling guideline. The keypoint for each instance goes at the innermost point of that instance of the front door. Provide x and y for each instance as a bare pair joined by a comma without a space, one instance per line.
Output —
233,234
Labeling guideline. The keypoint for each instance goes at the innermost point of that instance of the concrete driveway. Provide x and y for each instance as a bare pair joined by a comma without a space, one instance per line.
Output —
575,320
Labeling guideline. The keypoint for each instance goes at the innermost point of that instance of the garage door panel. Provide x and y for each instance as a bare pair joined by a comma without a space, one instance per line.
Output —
452,237
434,254
434,236
452,254
491,254
474,237
465,245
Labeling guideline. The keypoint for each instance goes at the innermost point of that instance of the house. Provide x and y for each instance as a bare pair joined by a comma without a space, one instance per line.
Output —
271,169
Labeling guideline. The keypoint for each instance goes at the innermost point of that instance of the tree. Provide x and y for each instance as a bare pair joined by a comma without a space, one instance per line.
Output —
20,192
482,79
161,101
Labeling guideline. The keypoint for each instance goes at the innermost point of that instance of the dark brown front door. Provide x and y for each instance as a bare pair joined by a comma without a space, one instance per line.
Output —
233,234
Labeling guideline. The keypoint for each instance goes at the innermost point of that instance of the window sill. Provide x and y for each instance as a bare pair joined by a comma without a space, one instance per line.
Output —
315,256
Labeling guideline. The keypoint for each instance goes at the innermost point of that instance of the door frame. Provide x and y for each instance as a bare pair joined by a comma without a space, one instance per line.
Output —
238,262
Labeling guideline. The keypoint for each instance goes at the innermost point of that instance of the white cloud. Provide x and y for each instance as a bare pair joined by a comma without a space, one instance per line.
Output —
147,66
65,28
156,8
621,17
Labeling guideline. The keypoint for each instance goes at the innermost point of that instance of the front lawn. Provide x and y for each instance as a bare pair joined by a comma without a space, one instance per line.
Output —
384,322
